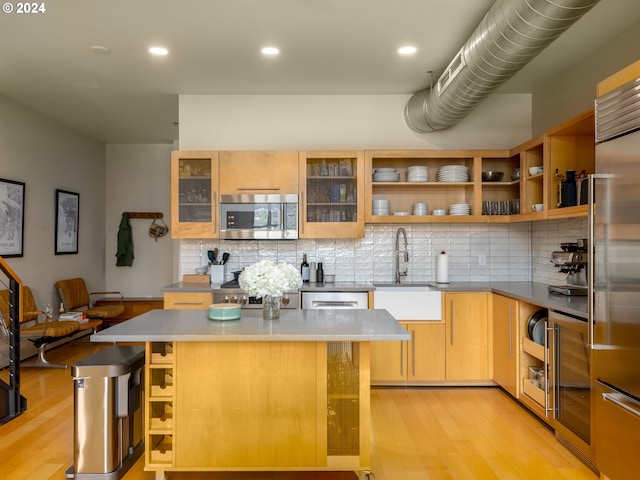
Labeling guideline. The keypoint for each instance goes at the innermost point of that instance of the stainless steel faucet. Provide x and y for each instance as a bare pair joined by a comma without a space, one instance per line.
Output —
405,253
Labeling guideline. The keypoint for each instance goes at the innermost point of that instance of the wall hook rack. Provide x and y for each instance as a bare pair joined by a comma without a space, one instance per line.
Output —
153,215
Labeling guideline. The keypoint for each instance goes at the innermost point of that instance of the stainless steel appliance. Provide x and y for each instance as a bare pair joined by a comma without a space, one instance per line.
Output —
614,285
570,383
230,292
336,300
573,261
259,216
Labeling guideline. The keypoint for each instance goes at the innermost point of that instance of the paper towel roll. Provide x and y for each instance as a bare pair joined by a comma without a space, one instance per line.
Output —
442,268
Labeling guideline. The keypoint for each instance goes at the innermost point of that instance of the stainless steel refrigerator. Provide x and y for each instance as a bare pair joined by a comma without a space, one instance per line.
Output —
615,283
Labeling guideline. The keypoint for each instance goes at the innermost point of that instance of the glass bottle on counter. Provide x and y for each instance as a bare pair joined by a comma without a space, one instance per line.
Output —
304,269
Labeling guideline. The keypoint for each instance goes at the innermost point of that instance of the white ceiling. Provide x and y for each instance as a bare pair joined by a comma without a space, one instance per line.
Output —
327,47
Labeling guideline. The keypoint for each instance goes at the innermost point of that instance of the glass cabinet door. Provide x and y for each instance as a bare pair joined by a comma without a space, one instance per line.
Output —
331,194
194,180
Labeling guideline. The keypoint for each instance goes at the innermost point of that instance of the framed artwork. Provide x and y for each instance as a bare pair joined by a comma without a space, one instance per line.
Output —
67,218
11,218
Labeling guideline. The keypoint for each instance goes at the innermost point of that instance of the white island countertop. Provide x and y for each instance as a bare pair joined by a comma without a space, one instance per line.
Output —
350,325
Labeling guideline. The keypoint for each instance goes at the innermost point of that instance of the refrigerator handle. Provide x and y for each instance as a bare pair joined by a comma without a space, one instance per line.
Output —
591,253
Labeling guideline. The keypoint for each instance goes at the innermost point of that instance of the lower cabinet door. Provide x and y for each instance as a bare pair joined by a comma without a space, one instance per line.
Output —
426,352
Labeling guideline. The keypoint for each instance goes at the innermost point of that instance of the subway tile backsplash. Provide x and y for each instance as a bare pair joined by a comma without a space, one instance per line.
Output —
478,252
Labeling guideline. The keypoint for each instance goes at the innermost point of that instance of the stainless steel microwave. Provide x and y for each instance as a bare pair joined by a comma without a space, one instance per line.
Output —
259,217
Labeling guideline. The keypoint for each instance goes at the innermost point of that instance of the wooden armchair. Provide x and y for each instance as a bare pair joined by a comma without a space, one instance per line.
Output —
75,297
40,331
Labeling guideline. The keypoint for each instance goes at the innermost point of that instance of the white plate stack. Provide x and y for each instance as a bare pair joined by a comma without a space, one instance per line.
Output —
385,175
417,173
460,209
453,173
380,207
420,208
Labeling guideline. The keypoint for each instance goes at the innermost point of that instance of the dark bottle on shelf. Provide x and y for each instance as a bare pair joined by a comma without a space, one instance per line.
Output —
304,268
568,190
319,273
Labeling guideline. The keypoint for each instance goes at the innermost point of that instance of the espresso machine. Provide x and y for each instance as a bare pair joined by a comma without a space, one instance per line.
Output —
572,261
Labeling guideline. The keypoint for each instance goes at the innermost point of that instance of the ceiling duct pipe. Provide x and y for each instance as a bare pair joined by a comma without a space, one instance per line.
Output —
510,35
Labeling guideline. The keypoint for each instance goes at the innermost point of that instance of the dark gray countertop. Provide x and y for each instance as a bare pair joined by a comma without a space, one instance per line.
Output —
534,293
531,292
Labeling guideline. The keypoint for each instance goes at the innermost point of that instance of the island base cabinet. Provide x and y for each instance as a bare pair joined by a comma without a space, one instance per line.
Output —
418,361
258,406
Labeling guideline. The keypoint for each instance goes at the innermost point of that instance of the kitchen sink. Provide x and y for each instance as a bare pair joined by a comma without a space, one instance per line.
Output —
425,287
409,301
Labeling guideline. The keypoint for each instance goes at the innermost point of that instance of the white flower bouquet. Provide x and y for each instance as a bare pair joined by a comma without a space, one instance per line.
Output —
266,278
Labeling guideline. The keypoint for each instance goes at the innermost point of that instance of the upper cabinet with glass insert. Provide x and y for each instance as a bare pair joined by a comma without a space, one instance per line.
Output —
194,187
331,194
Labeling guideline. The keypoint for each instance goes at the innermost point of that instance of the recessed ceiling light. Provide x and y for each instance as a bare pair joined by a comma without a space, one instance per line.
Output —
158,51
99,49
271,51
407,50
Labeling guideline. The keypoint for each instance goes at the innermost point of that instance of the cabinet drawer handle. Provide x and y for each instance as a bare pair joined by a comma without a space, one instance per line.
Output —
510,331
621,401
413,352
263,189
451,318
188,303
401,355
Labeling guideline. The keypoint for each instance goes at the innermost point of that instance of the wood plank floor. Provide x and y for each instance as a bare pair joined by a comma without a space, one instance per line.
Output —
420,433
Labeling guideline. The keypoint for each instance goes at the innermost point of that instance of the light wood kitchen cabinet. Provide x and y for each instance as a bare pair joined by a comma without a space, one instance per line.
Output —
505,343
468,336
194,187
258,172
570,145
420,360
187,300
331,194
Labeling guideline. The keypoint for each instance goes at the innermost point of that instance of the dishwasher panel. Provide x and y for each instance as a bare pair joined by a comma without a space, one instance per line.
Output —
334,300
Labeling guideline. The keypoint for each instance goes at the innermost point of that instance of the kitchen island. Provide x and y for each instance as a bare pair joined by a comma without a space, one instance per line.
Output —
254,394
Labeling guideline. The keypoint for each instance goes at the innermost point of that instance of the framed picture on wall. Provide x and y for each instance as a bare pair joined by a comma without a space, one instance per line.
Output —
67,219
11,218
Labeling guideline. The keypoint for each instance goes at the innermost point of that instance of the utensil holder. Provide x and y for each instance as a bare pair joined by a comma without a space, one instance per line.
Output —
216,273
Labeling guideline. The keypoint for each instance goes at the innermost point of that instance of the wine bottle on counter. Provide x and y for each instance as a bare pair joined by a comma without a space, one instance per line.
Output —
304,268
319,273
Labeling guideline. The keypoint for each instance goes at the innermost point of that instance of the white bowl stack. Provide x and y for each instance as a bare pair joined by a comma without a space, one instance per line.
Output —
420,208
385,175
380,207
417,173
439,212
460,209
453,173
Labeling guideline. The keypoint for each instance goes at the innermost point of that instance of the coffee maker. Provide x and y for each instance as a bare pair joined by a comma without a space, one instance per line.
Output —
572,260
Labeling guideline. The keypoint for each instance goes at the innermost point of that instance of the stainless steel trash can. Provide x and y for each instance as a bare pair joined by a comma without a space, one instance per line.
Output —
108,413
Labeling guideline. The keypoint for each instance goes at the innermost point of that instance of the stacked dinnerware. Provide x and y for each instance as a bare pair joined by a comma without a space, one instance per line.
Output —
453,173
417,173
420,208
380,207
385,175
439,212
460,209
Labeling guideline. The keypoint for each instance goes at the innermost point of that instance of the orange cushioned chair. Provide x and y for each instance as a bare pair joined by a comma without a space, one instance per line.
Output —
75,297
39,331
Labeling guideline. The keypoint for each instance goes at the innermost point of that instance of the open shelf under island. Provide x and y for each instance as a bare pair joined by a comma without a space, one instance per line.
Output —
257,395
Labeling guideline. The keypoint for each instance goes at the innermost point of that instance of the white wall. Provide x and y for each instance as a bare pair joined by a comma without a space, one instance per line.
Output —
573,90
46,156
138,180
299,122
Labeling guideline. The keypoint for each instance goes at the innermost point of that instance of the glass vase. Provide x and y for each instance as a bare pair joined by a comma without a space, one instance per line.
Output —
270,307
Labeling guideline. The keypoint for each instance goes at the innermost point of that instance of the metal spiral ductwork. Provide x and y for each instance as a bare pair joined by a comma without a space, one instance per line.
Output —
510,35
